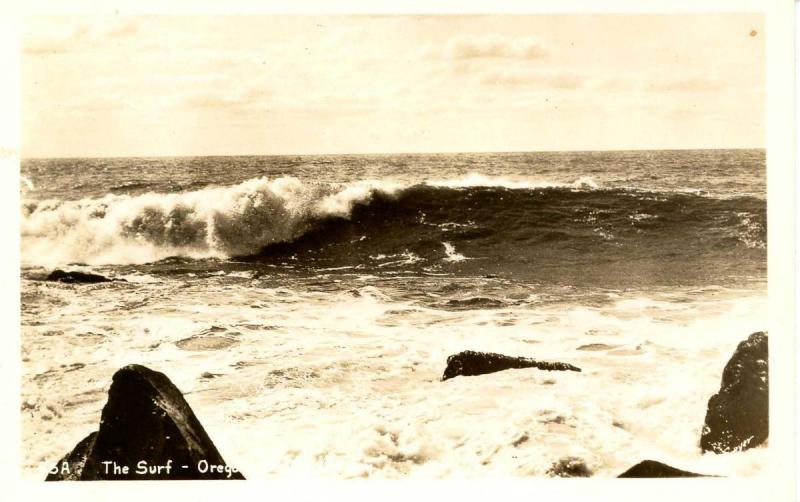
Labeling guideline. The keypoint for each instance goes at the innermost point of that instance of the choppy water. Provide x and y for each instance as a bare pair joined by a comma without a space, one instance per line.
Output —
307,305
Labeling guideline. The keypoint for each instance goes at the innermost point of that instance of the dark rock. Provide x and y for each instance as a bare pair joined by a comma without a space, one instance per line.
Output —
75,277
597,346
146,419
470,363
476,302
738,415
74,460
653,469
522,439
570,467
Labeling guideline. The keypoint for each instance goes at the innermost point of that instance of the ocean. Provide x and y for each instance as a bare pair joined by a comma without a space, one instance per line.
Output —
306,305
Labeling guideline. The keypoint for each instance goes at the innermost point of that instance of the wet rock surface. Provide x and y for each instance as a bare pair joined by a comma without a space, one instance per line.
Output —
738,415
147,431
471,363
570,467
75,277
654,469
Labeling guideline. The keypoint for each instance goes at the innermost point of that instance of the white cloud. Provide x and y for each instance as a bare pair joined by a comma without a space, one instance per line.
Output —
533,79
121,28
281,84
493,47
245,96
63,36
686,85
57,40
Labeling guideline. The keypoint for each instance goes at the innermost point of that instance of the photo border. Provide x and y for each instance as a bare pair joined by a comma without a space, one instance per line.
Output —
776,482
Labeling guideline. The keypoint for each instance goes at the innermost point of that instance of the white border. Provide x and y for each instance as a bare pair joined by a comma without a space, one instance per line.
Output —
778,482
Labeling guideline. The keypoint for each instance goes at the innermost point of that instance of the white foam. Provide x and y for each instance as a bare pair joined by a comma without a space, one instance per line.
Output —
348,385
212,222
750,231
451,254
28,183
516,183
139,278
404,258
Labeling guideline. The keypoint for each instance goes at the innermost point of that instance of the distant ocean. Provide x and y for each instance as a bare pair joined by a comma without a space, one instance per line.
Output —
306,305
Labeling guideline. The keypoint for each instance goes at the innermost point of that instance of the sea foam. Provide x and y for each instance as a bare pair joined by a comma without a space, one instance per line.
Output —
212,222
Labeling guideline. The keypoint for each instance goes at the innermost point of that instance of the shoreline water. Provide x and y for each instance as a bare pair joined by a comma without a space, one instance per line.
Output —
322,381
307,314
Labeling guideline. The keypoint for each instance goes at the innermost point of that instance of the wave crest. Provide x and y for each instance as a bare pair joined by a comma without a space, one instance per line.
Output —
488,219
479,180
213,222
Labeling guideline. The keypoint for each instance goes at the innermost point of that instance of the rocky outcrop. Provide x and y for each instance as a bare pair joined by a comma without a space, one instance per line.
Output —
653,469
738,415
147,431
70,468
471,363
75,277
570,467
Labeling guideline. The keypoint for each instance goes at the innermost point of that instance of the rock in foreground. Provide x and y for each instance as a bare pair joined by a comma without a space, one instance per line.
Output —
570,467
471,363
147,427
738,415
653,469
75,277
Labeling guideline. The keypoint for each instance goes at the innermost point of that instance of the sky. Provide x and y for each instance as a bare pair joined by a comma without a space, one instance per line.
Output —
203,85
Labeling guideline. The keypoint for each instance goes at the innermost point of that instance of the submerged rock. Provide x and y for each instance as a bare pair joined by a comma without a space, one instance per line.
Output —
738,415
653,469
148,428
75,277
471,363
199,343
597,346
476,302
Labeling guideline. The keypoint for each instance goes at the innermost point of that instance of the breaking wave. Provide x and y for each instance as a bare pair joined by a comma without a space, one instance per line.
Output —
474,223
212,222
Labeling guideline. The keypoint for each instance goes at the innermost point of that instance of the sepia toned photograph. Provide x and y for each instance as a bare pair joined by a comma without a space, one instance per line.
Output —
394,246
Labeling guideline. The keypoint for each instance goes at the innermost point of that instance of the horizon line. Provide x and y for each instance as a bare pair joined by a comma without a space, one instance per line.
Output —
352,154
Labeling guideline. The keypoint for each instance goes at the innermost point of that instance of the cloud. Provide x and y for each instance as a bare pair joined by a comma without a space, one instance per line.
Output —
686,85
533,79
57,41
244,97
616,84
207,99
659,83
61,38
493,47
97,104
121,28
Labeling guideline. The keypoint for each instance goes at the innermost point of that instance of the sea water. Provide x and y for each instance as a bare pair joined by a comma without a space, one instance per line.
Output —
306,306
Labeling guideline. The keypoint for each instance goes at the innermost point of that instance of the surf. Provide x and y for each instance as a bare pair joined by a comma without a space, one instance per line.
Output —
476,225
